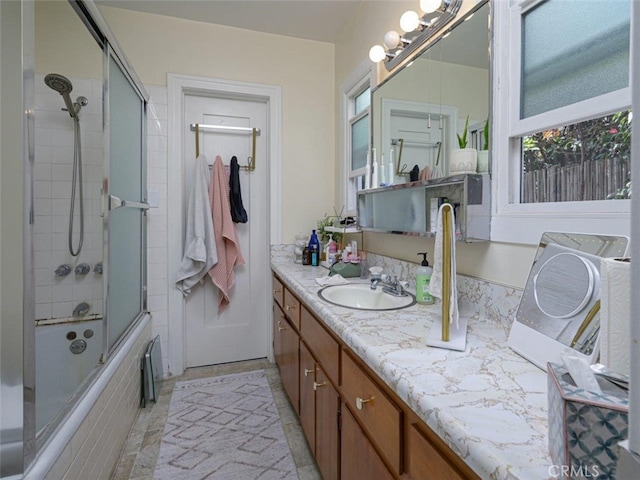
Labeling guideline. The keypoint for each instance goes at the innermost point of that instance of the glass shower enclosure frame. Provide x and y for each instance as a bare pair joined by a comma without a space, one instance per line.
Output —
124,205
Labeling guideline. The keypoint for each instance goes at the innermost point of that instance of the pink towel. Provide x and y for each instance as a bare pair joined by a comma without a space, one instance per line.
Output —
225,233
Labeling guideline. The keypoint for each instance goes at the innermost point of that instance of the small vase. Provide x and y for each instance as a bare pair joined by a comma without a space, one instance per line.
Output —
483,161
463,160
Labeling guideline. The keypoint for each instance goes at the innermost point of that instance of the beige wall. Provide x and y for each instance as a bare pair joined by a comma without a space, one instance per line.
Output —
157,45
507,264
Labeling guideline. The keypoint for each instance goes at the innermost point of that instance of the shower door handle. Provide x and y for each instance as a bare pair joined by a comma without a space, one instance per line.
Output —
116,202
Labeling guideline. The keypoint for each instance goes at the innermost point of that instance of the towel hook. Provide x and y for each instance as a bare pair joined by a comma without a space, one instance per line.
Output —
197,140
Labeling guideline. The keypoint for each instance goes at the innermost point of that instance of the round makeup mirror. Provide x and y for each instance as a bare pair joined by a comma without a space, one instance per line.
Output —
564,285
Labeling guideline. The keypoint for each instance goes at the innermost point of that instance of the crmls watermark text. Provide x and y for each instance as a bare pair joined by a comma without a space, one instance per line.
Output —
574,471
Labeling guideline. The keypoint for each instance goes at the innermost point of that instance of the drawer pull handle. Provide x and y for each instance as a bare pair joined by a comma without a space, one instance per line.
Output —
360,402
288,307
275,291
316,385
280,327
308,371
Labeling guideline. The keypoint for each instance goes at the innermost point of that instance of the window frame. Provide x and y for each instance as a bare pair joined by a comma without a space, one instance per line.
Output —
516,222
359,80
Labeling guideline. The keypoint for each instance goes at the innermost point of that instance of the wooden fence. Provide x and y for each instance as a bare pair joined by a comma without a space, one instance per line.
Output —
592,180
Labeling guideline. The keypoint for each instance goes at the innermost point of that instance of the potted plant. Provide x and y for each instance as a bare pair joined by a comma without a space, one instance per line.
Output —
463,159
483,154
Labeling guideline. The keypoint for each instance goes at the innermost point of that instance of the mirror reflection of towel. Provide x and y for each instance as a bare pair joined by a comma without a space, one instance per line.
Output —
238,213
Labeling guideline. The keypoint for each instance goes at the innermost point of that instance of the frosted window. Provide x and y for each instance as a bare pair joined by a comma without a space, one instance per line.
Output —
359,142
363,100
573,50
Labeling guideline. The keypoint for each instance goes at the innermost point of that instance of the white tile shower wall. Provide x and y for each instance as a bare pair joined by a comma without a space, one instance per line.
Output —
56,297
158,283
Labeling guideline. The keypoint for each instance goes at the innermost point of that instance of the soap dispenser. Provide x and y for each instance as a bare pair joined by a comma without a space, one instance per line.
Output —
423,277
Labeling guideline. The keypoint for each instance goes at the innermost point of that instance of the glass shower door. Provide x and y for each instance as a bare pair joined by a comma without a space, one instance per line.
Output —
126,218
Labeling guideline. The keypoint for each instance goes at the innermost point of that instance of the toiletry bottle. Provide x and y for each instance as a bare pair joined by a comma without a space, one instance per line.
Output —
391,169
314,247
332,248
306,256
423,277
375,170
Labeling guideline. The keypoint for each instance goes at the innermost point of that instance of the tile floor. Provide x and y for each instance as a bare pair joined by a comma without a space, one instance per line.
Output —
138,458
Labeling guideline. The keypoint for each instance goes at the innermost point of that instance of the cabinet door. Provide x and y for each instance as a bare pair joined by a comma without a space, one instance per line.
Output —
358,459
426,461
278,321
327,433
286,340
307,395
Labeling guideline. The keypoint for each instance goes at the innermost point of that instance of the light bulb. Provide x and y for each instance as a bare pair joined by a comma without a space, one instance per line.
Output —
409,21
391,39
377,53
430,6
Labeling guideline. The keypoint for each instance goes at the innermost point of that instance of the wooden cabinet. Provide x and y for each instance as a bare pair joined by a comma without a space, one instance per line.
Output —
319,413
379,416
327,433
285,349
278,291
356,425
359,460
292,308
308,395
321,343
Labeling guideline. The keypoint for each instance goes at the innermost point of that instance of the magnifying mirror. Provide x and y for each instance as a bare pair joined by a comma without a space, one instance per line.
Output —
560,305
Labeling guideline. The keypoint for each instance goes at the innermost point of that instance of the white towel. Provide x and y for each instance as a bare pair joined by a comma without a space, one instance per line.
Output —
435,284
200,253
332,280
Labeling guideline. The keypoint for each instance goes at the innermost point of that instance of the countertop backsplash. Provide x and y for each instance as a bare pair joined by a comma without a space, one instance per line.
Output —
481,300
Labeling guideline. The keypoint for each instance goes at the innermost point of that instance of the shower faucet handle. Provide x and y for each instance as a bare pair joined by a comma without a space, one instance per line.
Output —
63,270
82,269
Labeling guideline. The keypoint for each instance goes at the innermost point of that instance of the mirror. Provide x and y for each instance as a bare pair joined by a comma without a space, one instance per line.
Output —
417,112
559,312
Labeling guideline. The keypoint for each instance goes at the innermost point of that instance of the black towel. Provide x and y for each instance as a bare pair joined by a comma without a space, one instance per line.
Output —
413,175
238,213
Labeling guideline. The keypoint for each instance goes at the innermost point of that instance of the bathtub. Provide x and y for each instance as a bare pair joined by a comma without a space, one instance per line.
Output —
60,371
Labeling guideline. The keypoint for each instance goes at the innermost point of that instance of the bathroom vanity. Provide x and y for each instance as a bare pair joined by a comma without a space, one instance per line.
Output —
376,402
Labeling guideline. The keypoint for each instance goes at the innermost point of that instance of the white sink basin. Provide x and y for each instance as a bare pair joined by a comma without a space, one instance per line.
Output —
361,297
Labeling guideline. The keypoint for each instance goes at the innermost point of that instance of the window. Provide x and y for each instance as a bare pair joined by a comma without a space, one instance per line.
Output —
357,133
562,117
359,138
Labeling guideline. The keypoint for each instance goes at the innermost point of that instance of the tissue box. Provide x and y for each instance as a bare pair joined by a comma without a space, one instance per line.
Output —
584,427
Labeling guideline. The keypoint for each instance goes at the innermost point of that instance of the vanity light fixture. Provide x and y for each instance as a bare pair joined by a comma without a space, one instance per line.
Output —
418,29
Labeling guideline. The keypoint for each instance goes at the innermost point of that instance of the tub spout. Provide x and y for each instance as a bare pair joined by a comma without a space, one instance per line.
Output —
81,309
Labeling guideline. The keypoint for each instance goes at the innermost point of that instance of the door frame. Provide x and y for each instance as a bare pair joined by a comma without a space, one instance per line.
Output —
178,86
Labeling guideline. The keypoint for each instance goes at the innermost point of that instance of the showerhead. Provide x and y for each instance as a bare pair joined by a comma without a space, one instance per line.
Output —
63,86
59,83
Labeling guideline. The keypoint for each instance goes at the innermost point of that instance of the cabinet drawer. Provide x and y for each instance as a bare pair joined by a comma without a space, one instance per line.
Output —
426,461
278,291
292,308
321,343
376,413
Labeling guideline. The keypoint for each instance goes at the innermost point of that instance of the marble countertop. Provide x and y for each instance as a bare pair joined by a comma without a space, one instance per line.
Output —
487,403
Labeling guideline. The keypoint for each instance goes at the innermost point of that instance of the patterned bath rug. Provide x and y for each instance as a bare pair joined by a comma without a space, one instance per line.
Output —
224,428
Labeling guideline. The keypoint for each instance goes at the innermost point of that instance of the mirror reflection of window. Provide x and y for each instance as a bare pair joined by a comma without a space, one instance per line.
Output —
359,134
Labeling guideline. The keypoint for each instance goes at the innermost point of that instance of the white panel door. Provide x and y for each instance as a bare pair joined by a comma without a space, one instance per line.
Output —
239,332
